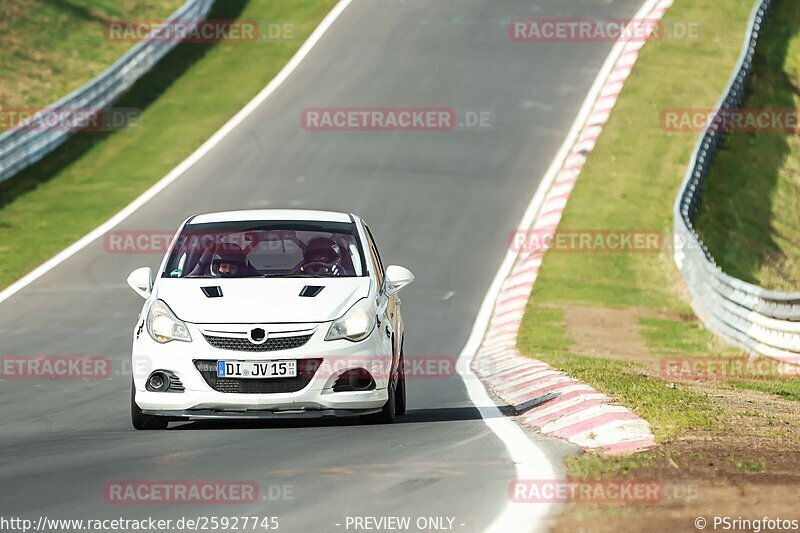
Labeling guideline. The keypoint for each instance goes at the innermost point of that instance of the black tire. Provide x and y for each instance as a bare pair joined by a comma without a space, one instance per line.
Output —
400,395
396,404
142,421
389,411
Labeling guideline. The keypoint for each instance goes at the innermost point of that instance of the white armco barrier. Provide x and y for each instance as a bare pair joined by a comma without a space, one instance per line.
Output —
35,137
759,321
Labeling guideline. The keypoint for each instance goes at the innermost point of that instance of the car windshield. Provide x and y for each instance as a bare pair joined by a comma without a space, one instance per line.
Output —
250,249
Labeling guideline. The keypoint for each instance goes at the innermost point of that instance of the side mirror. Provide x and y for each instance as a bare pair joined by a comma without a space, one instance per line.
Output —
397,277
141,280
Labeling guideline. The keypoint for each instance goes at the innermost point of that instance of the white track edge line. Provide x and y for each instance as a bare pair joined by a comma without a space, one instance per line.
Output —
187,163
531,462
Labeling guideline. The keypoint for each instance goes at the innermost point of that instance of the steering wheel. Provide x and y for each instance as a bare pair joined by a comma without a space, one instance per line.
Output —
316,267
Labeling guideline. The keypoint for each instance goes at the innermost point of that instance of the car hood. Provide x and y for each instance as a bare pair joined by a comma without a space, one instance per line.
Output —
261,300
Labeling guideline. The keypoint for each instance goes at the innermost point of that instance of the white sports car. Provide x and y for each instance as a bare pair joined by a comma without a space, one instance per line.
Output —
267,314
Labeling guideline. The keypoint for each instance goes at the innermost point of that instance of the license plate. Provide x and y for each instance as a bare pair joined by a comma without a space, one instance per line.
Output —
256,369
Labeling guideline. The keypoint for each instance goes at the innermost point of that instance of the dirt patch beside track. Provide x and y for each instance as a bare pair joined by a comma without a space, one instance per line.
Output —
610,333
748,470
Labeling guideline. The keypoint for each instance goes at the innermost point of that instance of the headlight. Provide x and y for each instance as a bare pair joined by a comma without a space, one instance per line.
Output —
163,326
355,325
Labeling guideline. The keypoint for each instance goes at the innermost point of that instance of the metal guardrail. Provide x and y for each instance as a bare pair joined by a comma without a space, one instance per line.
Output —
27,143
759,321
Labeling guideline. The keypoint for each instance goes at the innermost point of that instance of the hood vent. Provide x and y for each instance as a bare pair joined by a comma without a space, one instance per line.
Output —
212,292
309,291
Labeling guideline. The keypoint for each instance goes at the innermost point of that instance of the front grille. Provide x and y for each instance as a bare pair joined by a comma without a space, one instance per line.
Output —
306,368
244,345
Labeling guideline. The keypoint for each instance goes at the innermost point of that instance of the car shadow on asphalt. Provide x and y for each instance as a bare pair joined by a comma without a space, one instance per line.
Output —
412,416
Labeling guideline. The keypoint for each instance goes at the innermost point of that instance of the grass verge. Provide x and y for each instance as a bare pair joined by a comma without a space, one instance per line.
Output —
48,49
629,184
750,213
95,174
611,319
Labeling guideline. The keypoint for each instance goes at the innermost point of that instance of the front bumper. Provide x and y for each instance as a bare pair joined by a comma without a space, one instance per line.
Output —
200,401
208,414
301,400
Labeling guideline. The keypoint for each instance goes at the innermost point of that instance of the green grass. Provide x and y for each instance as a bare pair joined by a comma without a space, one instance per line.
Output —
786,388
669,409
749,466
549,331
593,466
670,337
49,48
189,95
629,183
750,213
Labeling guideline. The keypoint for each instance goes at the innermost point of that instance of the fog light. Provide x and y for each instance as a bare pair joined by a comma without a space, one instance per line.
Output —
158,382
357,379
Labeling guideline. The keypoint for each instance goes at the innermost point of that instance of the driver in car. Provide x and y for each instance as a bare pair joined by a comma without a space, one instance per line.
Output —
227,265
322,256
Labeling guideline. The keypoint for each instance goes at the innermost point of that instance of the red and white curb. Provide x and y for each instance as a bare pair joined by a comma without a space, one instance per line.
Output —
549,400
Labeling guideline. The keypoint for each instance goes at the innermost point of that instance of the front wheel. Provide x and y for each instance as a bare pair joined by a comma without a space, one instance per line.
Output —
396,404
400,395
142,421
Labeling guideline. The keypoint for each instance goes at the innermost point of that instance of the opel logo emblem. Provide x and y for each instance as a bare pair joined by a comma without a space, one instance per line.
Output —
258,336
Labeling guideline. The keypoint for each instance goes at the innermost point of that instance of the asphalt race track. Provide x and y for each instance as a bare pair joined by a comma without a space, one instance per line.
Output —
440,203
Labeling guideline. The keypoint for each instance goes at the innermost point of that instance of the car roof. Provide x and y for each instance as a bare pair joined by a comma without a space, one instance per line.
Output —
272,214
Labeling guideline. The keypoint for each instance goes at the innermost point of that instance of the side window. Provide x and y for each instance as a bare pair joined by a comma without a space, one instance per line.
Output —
376,257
